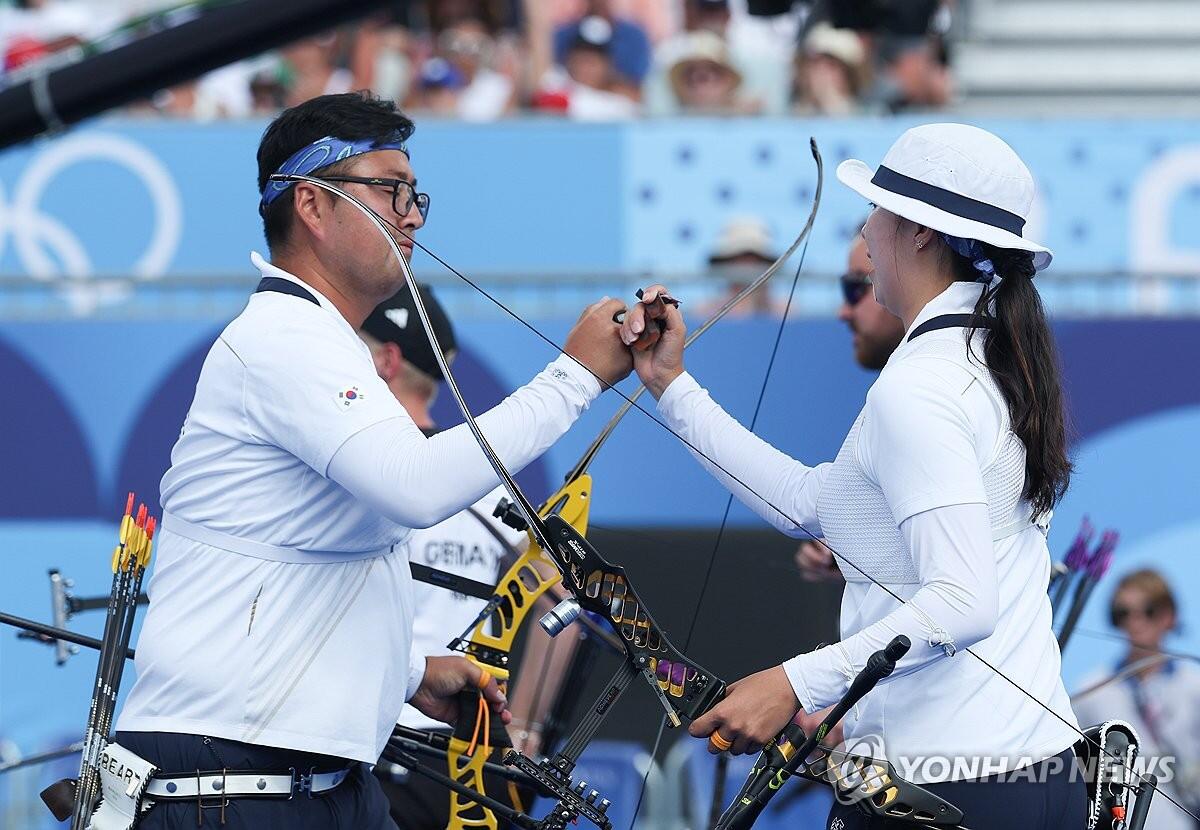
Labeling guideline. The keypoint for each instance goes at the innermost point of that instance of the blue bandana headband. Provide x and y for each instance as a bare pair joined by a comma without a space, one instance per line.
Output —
972,249
321,153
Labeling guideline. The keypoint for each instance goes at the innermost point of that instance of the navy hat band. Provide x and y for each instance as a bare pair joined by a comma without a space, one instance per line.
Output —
947,200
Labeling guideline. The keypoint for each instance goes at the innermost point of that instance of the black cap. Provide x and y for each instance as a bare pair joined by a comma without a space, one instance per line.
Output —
396,321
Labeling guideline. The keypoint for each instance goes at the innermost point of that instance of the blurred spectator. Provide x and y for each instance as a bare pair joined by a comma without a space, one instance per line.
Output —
483,93
629,47
830,72
910,74
1159,696
755,56
34,29
384,55
585,88
439,88
312,70
267,90
742,252
704,79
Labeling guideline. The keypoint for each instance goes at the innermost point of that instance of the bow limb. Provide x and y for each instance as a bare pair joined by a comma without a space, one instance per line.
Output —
488,644
593,449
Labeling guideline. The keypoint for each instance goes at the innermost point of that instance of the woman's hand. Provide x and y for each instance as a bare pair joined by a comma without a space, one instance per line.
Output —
811,723
655,331
754,711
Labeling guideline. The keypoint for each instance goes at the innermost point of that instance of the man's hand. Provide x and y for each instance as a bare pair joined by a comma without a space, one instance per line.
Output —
594,341
815,562
754,711
656,332
444,678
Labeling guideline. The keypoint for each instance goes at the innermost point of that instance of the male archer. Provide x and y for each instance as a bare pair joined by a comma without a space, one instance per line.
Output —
277,654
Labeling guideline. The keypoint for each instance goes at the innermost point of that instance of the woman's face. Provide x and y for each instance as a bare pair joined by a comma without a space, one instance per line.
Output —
1145,622
880,234
707,85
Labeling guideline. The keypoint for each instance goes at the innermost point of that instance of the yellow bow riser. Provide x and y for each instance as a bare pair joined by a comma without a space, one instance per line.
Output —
491,641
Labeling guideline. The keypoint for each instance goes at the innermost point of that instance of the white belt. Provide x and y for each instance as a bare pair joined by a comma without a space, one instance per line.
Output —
262,550
241,783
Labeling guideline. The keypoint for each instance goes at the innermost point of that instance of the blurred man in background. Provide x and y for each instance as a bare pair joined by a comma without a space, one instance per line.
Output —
629,45
586,86
1155,693
876,331
743,250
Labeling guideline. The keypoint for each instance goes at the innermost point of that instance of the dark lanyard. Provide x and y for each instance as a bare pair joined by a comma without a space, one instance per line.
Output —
281,286
951,321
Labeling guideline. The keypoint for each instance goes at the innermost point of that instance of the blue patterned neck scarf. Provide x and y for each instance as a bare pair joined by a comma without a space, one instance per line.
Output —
322,153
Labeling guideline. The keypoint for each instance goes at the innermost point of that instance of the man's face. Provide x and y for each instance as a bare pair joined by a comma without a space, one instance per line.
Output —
877,332
589,67
354,243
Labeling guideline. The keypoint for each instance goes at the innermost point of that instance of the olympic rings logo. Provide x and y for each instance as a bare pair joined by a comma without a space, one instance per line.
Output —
36,234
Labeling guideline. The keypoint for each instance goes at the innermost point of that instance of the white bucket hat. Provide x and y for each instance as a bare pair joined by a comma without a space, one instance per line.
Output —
957,179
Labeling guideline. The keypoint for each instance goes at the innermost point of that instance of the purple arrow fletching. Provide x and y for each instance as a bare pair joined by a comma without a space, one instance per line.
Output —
1103,557
1077,556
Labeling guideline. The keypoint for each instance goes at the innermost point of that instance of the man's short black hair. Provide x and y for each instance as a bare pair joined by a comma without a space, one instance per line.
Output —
349,116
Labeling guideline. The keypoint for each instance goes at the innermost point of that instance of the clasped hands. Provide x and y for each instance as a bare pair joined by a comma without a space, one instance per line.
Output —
648,338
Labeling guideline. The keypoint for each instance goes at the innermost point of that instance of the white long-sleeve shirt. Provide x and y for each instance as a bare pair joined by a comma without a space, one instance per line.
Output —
281,604
925,499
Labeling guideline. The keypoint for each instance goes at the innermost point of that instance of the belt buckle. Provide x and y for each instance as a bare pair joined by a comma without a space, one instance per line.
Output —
303,782
221,804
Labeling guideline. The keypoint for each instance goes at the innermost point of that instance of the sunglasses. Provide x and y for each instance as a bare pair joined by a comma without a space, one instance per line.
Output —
1121,613
855,285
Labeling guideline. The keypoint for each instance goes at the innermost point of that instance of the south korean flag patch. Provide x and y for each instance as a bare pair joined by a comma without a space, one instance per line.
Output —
347,397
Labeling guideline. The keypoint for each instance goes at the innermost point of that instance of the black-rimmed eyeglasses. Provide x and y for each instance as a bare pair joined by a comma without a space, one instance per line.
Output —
855,285
404,195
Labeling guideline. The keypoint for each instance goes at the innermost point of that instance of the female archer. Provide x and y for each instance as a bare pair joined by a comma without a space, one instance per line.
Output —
935,504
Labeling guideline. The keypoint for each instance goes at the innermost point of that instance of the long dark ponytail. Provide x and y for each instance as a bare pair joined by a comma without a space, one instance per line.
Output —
1020,353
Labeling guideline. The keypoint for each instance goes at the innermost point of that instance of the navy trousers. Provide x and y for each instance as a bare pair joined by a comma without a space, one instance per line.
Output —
1050,797
357,803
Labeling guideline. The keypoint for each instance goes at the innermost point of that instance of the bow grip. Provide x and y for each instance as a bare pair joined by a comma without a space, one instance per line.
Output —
880,664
